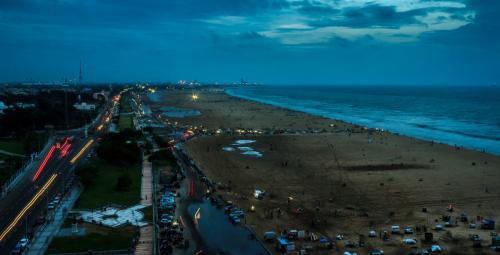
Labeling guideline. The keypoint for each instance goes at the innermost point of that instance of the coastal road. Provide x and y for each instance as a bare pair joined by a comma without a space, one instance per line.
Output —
20,209
27,201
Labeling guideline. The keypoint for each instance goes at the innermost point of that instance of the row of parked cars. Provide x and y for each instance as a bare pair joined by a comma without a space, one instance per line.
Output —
55,201
234,213
23,243
171,234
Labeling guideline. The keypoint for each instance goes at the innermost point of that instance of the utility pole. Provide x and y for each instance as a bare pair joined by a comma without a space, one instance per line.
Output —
66,107
80,78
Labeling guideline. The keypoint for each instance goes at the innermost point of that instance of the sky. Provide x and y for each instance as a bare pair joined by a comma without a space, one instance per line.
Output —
373,42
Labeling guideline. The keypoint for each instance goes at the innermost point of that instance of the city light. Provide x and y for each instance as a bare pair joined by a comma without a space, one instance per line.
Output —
27,207
82,151
197,215
44,162
194,97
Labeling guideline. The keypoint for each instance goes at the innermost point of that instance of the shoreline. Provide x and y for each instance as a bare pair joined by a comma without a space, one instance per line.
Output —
356,179
230,93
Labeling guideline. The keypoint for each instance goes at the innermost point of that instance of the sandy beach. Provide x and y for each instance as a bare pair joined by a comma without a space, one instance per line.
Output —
331,177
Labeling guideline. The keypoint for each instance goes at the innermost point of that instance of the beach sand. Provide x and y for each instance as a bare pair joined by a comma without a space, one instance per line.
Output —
342,180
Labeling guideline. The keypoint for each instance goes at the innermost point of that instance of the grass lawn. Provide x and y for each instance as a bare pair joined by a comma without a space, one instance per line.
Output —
103,189
97,239
14,146
125,122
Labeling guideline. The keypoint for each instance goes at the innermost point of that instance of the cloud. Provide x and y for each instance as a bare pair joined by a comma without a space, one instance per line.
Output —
319,21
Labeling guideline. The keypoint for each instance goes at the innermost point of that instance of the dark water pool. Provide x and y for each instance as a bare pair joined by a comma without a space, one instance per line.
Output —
220,235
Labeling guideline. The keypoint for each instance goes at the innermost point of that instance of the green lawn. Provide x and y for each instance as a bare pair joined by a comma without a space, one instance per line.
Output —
125,122
14,146
104,239
103,189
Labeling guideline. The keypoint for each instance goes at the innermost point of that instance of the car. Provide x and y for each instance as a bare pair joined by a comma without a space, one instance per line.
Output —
409,241
167,216
436,248
167,207
235,219
395,229
23,242
165,221
408,230
438,227
238,213
376,252
372,233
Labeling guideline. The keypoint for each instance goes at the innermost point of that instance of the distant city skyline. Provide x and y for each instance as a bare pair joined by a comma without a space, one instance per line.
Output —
363,42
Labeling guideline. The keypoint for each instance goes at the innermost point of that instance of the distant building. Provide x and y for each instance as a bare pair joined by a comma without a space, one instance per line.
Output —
101,95
84,106
2,107
23,105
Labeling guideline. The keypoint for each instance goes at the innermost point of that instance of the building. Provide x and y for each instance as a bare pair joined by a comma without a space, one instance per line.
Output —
84,106
23,105
2,107
101,95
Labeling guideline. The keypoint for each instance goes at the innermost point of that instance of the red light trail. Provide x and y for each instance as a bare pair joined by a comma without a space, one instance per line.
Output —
45,160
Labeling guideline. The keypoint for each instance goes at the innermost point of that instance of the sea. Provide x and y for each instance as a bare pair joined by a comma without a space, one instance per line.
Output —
466,116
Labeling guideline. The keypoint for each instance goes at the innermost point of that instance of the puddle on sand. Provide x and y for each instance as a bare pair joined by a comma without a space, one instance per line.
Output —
242,142
220,235
245,148
252,153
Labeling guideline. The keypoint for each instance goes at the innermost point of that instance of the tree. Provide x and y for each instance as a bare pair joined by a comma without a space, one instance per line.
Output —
123,183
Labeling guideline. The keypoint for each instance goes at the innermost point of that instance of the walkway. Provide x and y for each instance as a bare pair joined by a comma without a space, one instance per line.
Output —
44,235
145,243
8,153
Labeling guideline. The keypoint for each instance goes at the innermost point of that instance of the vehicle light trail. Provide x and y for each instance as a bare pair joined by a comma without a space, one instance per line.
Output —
27,207
44,162
64,150
79,154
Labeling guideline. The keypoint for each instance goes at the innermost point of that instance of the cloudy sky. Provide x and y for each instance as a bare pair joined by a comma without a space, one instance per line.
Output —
448,42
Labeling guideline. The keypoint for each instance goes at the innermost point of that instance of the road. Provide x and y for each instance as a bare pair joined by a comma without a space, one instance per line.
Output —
27,201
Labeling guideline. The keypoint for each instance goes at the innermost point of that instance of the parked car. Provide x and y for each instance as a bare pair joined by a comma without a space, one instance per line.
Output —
51,206
372,233
376,252
409,230
395,229
23,242
409,241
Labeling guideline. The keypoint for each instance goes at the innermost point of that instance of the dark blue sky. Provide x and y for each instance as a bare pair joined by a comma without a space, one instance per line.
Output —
443,42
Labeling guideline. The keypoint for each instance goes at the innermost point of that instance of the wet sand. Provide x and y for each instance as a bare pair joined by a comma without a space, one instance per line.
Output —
342,180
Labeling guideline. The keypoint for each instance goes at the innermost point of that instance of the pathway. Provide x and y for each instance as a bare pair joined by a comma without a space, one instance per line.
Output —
44,236
8,153
145,244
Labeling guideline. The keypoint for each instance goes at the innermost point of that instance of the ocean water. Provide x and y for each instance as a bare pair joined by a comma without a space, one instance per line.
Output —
463,116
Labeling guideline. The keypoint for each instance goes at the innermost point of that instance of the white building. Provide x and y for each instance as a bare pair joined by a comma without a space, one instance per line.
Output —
84,106
2,107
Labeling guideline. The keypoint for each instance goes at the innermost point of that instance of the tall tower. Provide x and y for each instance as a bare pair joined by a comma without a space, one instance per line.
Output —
80,78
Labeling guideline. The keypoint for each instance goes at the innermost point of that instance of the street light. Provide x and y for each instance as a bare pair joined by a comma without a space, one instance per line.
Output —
194,97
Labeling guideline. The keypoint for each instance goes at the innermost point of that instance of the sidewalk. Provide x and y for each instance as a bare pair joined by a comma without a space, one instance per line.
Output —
44,235
145,243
